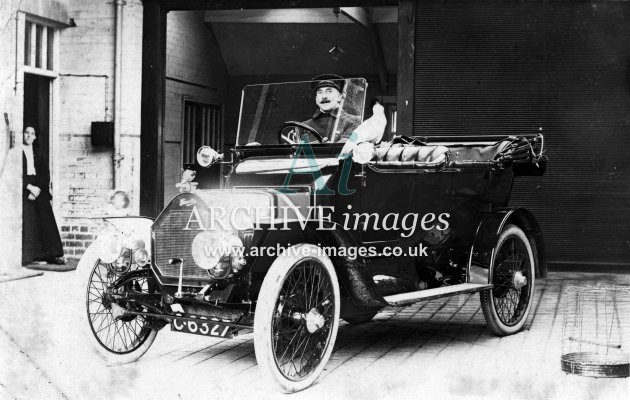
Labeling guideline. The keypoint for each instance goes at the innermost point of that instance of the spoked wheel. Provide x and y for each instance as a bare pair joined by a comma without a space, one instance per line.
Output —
116,338
296,320
507,305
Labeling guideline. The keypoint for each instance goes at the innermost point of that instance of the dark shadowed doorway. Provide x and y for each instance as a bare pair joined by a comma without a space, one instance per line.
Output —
37,111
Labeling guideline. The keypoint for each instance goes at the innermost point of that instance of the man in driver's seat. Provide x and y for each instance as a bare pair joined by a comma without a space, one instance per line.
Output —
329,96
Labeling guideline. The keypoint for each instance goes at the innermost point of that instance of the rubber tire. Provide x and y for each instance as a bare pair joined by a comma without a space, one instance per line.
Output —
487,298
266,307
86,265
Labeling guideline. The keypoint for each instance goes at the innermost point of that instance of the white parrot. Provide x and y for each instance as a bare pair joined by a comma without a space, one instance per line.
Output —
371,130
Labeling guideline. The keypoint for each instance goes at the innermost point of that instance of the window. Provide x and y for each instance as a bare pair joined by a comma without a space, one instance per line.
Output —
27,43
202,127
49,51
38,45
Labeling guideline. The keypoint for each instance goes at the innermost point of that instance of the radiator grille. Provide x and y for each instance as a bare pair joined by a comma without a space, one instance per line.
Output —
171,241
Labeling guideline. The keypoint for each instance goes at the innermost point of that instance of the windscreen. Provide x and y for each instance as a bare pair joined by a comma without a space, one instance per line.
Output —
264,108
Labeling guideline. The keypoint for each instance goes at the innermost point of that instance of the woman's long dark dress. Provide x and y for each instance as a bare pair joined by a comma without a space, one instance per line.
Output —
40,236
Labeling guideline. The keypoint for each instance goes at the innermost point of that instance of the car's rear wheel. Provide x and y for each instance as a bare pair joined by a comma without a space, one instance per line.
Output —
297,317
512,272
116,339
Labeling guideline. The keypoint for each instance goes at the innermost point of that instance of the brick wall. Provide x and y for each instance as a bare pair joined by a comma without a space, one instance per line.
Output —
11,98
85,174
195,70
78,234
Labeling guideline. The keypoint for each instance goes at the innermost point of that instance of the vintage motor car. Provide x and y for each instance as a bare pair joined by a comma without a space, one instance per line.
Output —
287,235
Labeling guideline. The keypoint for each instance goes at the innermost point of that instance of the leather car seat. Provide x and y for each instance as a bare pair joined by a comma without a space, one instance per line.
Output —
409,153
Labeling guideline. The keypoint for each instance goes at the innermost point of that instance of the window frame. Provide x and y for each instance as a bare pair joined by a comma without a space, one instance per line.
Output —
187,156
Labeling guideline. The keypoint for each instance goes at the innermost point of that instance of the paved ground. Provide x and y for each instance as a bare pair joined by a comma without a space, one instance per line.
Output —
439,349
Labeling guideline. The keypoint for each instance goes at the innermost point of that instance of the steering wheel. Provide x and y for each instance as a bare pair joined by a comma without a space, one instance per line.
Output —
286,139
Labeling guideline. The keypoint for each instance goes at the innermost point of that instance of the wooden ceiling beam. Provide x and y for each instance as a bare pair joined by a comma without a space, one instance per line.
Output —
302,16
268,4
359,15
288,16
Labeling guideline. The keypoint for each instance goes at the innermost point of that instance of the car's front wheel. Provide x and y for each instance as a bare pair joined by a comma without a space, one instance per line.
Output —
512,272
297,317
115,338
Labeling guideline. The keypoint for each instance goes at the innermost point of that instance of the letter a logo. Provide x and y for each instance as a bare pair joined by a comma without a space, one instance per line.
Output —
313,168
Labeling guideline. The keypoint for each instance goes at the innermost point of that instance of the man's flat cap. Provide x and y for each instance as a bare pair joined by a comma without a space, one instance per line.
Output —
328,80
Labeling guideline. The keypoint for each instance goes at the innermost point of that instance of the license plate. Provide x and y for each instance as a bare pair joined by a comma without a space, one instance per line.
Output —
201,327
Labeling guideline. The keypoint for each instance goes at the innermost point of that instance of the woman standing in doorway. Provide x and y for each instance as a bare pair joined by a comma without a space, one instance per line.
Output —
40,236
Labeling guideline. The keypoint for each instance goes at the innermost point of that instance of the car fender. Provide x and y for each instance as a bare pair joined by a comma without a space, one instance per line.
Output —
487,233
88,258
138,227
353,275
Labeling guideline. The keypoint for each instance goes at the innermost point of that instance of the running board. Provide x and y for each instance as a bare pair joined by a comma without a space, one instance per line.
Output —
429,294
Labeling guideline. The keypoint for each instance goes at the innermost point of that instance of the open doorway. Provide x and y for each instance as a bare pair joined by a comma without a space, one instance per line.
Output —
37,112
41,241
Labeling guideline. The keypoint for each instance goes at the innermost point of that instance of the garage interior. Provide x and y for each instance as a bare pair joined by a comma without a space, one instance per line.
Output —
455,67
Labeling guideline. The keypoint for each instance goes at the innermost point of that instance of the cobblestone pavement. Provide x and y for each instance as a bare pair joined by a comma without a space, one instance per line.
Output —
438,349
